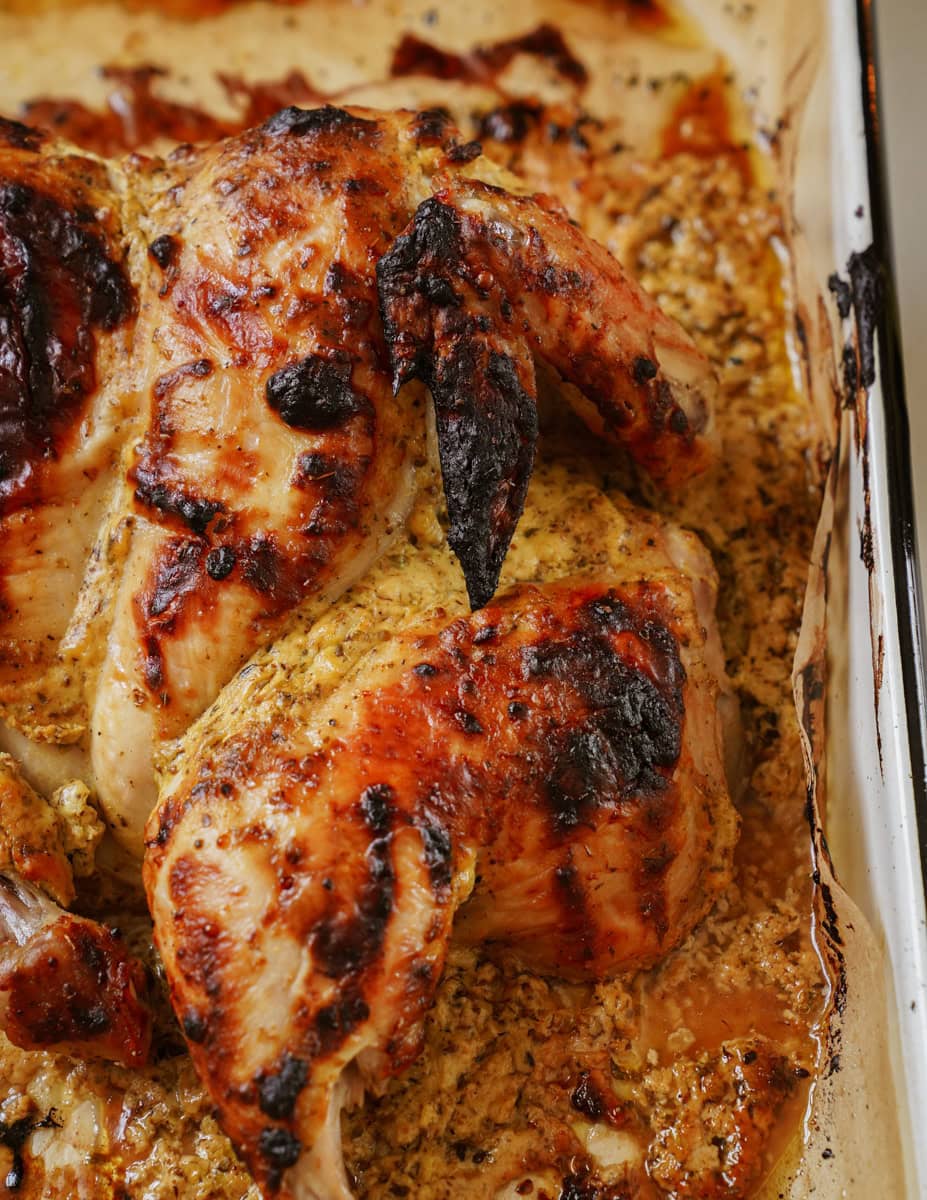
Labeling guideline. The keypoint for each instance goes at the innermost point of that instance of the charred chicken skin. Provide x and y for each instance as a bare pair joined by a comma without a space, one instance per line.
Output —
224,346
550,766
235,321
67,984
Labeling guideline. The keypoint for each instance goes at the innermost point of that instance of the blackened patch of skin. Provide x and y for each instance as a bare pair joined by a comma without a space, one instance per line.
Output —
464,152
377,804
414,56
58,283
279,1090
345,944
486,420
633,731
468,721
643,370
351,293
337,481
263,568
164,250
280,1149
336,1021
153,665
174,500
432,127
436,842
194,1026
14,1136
510,123
678,421
19,136
585,769
312,122
176,573
487,433
220,562
315,393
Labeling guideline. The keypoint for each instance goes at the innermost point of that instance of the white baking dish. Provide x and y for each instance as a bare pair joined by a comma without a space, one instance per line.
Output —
874,764
806,68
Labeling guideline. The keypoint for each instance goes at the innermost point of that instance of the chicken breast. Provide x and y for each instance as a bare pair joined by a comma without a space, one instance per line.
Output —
544,777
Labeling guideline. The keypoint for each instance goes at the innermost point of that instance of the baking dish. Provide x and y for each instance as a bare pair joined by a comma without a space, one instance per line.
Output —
872,768
866,753
800,68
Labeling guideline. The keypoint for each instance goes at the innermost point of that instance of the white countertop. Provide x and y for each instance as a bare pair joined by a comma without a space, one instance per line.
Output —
902,34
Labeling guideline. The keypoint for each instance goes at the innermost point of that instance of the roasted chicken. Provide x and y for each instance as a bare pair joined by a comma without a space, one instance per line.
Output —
544,776
217,318
67,983
213,426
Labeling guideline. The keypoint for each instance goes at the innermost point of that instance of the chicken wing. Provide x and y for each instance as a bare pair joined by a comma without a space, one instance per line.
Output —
66,983
481,284
543,777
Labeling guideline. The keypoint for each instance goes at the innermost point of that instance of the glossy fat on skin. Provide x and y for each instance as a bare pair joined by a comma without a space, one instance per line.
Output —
355,961
67,983
67,307
276,461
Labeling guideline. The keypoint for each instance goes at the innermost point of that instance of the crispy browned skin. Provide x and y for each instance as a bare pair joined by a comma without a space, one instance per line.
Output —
481,284
66,983
274,460
559,750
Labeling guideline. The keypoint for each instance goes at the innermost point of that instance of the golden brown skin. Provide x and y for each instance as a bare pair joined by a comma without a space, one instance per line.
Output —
68,984
557,755
274,460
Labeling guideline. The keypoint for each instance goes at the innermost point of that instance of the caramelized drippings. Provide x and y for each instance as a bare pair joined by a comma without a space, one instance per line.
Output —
700,124
135,115
483,64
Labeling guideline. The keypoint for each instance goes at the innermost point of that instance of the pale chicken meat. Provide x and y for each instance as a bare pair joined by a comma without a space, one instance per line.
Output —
67,308
268,296
543,778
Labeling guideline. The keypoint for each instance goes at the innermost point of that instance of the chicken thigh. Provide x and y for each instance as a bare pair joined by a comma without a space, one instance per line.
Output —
543,777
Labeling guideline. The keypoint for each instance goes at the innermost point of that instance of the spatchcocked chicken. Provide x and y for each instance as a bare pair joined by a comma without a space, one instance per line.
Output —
212,426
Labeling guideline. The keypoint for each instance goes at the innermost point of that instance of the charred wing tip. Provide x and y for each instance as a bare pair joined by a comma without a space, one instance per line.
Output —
481,574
